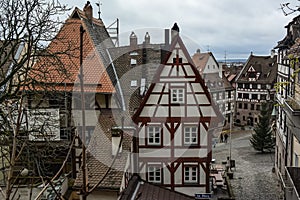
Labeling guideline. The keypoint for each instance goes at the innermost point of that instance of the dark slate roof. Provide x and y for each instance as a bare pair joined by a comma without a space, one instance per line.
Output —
149,191
215,83
148,58
265,65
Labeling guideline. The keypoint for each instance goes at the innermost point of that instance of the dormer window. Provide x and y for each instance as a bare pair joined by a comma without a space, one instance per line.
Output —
133,62
252,75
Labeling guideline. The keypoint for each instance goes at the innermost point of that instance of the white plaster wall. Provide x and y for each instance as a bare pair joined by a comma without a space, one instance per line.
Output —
203,135
167,177
178,175
145,152
178,136
211,63
191,152
142,135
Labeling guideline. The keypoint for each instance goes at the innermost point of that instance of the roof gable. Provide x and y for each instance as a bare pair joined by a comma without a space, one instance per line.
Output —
64,69
176,72
261,69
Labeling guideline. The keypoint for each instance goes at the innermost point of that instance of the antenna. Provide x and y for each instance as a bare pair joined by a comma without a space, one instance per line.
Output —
225,56
99,4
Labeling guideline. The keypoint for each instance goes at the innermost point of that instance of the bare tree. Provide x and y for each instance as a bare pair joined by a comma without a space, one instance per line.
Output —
26,29
287,9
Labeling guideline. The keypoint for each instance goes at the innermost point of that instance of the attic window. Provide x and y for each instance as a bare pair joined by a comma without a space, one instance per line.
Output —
252,75
133,83
133,62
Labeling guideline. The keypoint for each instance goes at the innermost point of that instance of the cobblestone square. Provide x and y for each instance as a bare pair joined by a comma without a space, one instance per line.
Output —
253,178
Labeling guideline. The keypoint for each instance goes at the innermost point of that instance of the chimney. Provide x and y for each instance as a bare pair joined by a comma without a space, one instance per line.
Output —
167,37
88,10
147,38
133,40
174,31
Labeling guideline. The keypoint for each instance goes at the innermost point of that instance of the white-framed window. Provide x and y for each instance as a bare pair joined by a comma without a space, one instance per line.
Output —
191,135
133,83
154,135
133,62
154,174
190,174
177,95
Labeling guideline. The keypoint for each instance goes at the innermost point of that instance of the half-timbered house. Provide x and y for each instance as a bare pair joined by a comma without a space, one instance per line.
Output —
173,125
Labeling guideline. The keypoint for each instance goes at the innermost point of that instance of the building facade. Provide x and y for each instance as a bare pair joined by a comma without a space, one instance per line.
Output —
254,86
173,126
288,120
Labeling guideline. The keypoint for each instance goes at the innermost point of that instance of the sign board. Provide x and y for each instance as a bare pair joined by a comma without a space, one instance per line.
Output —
203,196
44,124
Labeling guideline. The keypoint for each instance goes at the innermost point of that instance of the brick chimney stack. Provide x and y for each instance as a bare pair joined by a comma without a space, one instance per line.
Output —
133,40
147,38
88,10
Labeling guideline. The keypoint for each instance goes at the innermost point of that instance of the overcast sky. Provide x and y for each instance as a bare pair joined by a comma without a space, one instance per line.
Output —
236,27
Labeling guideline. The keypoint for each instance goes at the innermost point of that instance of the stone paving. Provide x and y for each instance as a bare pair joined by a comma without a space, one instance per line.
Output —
253,178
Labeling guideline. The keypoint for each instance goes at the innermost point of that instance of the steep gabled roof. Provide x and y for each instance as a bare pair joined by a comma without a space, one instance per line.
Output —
62,71
177,62
264,66
200,60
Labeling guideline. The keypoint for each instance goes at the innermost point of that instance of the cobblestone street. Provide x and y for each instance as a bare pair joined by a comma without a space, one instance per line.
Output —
253,178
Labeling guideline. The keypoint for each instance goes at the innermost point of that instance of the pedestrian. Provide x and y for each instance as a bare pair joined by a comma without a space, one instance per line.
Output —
227,166
225,137
215,142
221,137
